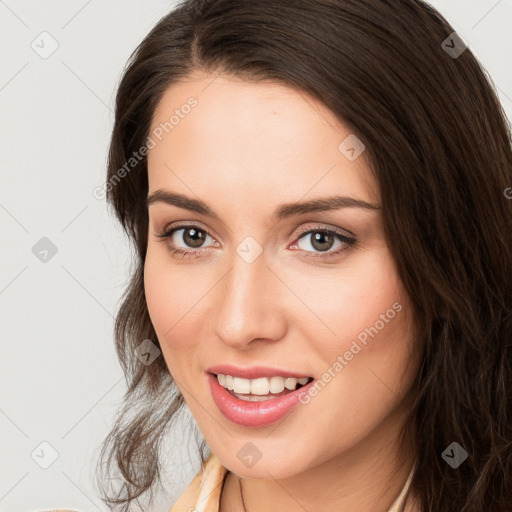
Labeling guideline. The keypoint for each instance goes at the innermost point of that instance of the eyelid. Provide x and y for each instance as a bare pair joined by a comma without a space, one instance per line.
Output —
325,227
184,224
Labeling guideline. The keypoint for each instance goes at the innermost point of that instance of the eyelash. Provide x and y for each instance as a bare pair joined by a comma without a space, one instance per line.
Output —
178,251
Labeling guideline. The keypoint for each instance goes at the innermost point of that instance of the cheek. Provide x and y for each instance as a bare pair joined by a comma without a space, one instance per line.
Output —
167,302
367,364
365,334
175,302
169,292
156,287
365,294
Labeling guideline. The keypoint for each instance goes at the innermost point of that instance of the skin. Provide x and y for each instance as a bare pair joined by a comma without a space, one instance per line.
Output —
245,149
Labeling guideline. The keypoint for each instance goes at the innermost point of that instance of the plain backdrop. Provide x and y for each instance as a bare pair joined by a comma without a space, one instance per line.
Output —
64,261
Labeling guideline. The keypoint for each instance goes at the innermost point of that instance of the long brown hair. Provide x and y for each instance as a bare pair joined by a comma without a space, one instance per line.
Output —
440,150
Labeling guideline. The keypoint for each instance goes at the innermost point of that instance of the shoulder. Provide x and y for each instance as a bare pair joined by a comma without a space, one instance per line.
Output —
204,492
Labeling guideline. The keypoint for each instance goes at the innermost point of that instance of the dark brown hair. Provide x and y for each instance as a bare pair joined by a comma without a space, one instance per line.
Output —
439,146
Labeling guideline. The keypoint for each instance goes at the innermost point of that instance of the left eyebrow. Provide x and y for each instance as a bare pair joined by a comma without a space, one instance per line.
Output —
320,205
282,212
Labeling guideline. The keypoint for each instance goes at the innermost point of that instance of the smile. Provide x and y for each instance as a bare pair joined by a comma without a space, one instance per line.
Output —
256,402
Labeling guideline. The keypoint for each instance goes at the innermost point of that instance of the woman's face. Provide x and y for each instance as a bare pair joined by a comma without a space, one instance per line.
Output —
263,284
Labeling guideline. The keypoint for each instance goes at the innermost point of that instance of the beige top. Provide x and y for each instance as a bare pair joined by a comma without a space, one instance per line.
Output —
203,493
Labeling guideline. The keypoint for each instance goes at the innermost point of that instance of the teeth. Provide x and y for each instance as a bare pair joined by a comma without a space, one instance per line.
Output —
261,386
241,385
276,384
258,386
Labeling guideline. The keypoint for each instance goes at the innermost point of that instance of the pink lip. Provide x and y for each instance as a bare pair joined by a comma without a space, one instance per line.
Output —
255,372
254,414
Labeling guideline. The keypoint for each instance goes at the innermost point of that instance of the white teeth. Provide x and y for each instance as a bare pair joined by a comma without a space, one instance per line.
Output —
241,385
229,382
290,383
261,386
276,385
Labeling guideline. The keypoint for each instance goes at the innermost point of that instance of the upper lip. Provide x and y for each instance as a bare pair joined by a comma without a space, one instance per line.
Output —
253,372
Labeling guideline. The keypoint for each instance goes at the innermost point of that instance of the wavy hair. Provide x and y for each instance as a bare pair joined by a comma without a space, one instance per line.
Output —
439,146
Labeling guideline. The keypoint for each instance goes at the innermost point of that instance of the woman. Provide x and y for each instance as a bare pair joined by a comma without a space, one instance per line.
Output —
317,195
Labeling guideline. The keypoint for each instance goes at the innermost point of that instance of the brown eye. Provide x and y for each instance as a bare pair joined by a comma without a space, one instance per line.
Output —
186,241
193,237
322,241
318,241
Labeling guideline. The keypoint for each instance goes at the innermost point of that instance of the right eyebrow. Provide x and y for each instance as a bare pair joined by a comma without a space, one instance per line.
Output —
181,201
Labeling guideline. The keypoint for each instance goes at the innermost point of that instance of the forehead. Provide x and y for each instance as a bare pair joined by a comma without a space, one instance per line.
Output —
246,136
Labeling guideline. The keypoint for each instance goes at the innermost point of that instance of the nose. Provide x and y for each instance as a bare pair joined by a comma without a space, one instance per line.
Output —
249,305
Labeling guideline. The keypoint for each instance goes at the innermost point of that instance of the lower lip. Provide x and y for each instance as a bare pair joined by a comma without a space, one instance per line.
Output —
254,414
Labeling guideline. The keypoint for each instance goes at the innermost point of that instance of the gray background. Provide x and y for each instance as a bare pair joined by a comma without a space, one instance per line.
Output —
60,380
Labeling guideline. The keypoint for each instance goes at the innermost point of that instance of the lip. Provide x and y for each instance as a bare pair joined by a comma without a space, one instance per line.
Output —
254,414
254,372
